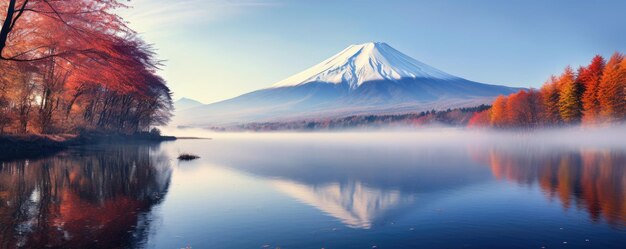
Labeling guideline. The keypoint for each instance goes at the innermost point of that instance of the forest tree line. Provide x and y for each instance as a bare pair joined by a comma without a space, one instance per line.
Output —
449,117
72,66
593,95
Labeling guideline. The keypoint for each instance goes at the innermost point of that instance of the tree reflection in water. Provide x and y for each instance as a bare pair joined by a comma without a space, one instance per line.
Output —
82,199
587,179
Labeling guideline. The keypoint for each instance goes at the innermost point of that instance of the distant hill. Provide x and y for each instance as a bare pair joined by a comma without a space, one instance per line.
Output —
365,79
186,103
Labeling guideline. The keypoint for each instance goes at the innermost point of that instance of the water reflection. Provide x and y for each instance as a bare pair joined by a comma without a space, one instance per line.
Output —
354,204
587,179
358,184
252,192
364,184
82,199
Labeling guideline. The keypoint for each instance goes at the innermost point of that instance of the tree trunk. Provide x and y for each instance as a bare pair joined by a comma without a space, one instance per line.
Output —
7,25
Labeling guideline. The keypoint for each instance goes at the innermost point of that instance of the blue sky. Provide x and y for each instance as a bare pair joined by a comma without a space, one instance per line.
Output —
218,49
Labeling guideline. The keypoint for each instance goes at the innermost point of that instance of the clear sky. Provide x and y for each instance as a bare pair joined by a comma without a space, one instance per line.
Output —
218,49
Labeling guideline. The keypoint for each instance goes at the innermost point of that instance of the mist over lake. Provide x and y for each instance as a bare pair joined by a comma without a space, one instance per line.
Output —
439,188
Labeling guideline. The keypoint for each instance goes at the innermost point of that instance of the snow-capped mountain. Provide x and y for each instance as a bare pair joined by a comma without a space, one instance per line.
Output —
357,64
370,78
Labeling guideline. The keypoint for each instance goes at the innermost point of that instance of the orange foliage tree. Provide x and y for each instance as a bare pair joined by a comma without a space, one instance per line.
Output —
499,116
595,94
611,94
570,103
550,98
480,119
523,109
590,76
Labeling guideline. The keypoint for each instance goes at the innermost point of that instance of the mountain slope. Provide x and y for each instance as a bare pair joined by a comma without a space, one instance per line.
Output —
371,78
186,103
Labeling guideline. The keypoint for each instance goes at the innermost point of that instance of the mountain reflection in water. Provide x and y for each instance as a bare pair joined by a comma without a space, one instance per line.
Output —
82,199
353,203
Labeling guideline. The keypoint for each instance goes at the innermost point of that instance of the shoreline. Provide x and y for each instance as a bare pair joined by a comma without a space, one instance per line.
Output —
37,145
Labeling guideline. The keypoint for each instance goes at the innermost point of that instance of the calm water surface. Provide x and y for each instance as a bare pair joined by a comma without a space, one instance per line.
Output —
319,191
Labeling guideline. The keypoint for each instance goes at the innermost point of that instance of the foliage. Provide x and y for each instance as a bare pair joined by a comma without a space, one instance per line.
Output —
596,94
69,66
570,97
155,132
590,76
611,89
498,112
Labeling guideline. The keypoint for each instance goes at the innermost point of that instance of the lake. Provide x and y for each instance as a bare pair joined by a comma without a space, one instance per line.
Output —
440,189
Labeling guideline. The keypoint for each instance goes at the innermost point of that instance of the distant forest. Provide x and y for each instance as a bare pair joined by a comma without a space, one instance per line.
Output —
71,66
594,95
449,117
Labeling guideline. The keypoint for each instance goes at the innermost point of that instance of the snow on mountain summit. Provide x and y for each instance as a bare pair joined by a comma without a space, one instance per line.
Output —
366,62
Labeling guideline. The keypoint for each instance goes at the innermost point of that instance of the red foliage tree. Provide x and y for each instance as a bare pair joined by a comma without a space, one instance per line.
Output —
611,95
26,31
480,119
590,76
75,65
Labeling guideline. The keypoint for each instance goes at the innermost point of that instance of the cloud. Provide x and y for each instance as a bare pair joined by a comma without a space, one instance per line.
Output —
152,15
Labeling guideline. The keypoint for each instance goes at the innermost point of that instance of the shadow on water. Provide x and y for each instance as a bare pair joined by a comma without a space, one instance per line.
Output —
82,198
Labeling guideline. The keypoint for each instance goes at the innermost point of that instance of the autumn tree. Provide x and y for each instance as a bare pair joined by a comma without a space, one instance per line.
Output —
124,94
569,104
518,110
499,116
25,20
590,77
480,119
18,81
611,96
595,94
550,100
5,111
72,66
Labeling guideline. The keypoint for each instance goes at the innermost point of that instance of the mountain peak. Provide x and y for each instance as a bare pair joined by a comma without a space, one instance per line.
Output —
185,103
360,63
369,45
185,99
